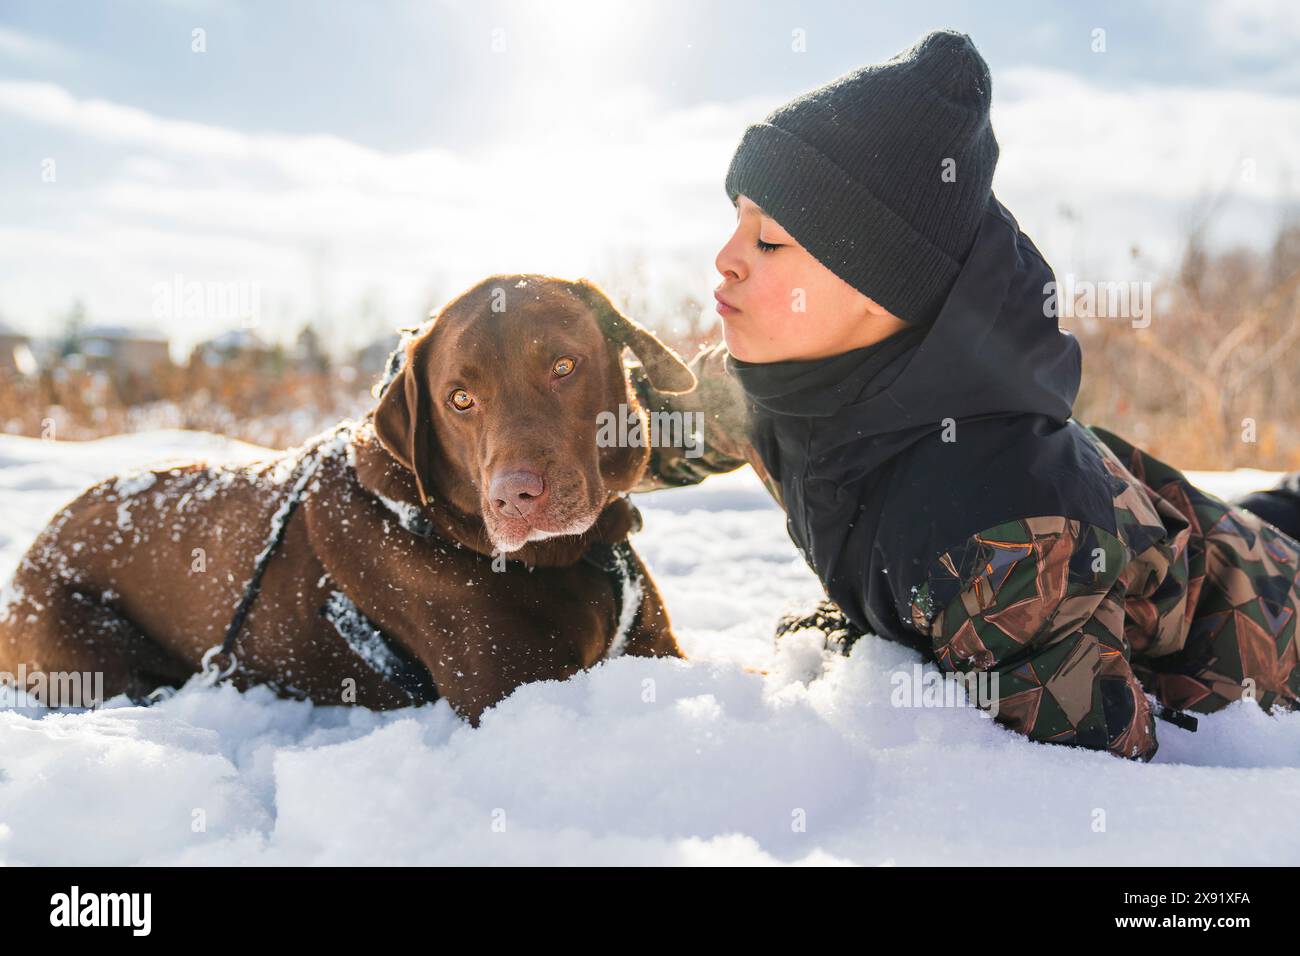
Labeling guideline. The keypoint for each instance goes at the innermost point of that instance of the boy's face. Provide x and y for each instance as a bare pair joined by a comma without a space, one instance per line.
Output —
777,302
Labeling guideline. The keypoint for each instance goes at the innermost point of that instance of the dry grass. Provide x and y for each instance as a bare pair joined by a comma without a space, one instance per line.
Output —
1218,366
1214,381
275,409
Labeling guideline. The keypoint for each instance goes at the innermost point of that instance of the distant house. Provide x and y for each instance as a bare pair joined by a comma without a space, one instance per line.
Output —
240,347
15,351
122,351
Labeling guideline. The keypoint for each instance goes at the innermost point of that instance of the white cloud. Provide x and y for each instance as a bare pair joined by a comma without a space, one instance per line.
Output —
221,204
1158,141
1132,164
635,186
1253,28
23,46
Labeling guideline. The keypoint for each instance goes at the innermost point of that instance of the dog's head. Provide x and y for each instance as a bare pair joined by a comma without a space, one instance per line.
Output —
497,408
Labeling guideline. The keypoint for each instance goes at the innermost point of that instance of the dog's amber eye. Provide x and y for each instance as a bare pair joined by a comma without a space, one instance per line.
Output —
563,366
460,399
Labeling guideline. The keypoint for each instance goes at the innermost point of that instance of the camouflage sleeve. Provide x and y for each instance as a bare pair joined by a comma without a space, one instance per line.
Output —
1038,603
714,424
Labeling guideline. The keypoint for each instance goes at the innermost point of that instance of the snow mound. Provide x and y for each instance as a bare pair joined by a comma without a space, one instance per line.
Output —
706,761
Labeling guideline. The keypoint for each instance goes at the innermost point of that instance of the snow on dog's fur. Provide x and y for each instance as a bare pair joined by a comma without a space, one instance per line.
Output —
139,577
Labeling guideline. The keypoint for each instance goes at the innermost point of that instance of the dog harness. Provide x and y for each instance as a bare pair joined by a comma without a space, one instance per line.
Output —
303,472
380,652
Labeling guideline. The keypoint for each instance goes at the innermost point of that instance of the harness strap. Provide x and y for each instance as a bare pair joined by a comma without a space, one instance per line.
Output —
618,563
370,643
308,464
377,650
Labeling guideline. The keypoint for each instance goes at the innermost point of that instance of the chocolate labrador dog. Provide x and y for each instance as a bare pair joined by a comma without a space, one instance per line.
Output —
466,536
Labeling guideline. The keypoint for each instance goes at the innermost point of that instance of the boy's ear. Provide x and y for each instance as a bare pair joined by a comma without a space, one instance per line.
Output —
404,417
664,368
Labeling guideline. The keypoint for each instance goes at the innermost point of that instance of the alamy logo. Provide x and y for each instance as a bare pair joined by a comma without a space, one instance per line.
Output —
624,429
58,688
932,688
1098,300
229,301
102,909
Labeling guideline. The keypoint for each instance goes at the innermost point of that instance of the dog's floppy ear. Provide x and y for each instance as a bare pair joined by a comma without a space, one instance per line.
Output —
404,416
664,368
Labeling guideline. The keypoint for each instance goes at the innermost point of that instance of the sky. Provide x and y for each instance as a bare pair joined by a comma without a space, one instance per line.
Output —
191,166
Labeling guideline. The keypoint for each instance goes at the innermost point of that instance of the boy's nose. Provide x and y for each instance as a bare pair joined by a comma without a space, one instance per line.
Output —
728,261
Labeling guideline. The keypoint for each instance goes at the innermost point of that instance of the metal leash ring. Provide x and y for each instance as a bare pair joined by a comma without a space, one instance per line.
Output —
211,674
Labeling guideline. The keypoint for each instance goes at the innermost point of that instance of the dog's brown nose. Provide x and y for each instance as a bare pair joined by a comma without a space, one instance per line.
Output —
517,493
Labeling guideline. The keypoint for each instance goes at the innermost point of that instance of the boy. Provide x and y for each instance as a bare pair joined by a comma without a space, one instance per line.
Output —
895,374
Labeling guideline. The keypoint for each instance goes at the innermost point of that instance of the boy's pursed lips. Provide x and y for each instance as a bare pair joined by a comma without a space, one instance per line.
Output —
724,307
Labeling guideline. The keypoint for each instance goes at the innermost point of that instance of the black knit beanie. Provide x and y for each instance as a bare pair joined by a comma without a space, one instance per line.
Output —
855,171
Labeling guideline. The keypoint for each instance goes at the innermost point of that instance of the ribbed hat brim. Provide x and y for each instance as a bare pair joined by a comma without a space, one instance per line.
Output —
822,207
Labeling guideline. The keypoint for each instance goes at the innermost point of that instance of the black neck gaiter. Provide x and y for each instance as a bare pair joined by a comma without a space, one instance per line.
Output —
820,387
806,429
833,432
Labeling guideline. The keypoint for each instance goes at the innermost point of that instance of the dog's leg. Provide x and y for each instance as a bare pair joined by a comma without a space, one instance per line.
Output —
651,634
71,631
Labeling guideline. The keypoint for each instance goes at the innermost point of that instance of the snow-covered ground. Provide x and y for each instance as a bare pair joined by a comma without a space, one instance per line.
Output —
808,764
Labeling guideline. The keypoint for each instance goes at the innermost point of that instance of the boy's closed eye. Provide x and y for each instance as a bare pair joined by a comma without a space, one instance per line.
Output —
770,235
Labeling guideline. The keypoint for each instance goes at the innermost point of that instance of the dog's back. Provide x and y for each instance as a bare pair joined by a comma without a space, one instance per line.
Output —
161,552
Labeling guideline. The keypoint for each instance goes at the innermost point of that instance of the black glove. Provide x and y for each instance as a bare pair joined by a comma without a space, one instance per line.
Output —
825,617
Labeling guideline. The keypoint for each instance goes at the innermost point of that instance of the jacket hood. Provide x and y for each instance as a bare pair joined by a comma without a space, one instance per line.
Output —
834,433
993,349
